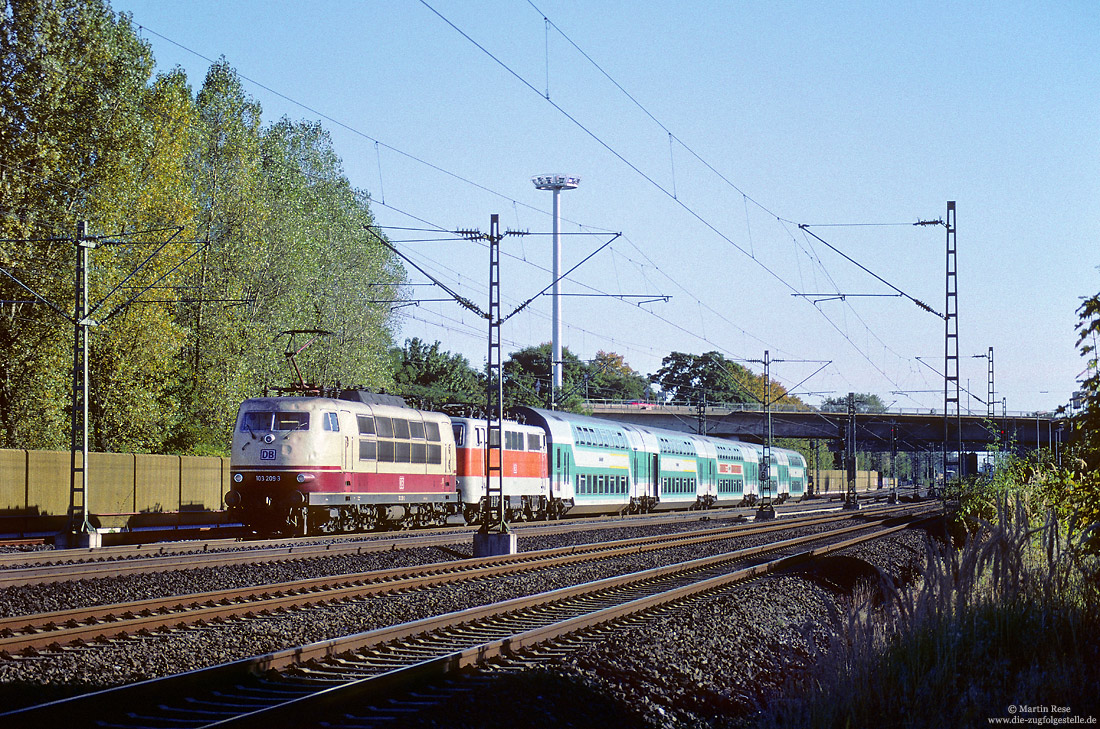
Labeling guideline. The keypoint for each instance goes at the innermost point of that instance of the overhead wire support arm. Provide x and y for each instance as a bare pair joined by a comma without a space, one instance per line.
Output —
805,228
462,300
842,297
646,298
562,277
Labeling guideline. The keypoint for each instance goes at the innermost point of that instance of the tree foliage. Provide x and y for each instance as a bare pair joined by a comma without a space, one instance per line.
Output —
865,402
427,373
611,378
266,233
710,377
528,379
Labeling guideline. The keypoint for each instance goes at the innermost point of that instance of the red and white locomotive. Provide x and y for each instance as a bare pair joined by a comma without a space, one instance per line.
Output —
525,477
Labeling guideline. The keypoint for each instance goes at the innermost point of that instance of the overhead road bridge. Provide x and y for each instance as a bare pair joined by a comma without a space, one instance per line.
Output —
905,430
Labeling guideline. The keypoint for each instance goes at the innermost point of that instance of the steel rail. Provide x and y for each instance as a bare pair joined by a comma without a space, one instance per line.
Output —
432,535
28,633
67,572
246,698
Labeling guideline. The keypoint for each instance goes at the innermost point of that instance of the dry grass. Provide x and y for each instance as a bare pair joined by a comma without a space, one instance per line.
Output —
1012,618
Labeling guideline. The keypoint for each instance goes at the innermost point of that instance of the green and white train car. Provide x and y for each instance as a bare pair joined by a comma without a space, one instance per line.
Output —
603,466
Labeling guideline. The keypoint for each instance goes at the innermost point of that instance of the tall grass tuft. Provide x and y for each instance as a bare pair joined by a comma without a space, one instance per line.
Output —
1010,619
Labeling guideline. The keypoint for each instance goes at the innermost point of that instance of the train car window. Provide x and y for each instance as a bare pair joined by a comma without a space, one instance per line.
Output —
416,430
291,421
435,454
386,451
402,452
460,434
494,438
384,426
366,424
367,450
332,422
419,453
534,442
256,420
431,431
401,428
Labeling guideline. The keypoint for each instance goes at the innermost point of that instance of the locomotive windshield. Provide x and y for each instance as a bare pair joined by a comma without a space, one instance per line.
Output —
267,420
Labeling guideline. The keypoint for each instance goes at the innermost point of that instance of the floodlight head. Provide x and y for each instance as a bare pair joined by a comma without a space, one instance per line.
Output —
555,181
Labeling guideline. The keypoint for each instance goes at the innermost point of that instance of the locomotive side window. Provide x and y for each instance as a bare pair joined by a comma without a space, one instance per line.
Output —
416,429
402,452
435,454
460,434
431,432
368,450
534,442
366,424
384,426
400,428
386,451
419,453
332,422
291,421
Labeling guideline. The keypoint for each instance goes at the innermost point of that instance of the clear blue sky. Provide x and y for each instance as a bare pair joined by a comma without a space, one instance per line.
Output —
780,114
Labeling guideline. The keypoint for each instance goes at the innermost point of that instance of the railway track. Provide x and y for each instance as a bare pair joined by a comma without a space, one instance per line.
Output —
81,564
294,686
27,634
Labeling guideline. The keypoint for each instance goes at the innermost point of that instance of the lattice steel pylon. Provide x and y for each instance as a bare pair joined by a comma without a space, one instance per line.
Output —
952,417
493,516
767,493
990,400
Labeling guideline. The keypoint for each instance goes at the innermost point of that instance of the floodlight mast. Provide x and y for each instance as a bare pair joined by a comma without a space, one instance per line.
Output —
556,182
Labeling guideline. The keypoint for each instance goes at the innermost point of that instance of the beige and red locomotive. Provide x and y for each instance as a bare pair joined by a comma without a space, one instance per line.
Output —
360,461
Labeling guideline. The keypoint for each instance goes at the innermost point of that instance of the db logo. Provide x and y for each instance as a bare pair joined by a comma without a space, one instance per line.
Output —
267,454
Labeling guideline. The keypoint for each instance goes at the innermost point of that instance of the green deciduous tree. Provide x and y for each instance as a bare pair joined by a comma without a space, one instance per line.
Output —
528,379
84,136
865,402
429,374
87,133
611,378
694,377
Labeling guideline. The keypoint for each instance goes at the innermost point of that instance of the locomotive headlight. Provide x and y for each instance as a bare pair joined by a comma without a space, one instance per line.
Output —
305,477
232,498
238,477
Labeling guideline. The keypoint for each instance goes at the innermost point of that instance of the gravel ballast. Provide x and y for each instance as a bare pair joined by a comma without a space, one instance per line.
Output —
716,660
